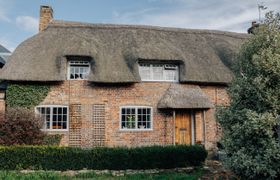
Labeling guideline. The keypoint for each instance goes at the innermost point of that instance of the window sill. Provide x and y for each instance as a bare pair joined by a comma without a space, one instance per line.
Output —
77,79
55,130
160,81
134,130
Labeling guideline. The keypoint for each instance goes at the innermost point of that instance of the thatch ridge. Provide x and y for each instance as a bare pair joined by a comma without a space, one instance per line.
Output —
73,24
206,55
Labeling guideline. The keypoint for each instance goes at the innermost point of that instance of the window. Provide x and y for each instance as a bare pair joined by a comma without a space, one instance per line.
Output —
136,118
78,70
55,117
158,72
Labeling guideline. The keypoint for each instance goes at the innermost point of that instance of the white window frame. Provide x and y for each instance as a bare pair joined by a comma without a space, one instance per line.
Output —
151,65
136,115
77,62
51,116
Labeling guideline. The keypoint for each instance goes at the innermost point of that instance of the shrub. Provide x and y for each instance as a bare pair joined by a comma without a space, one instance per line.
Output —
20,126
249,135
52,140
67,158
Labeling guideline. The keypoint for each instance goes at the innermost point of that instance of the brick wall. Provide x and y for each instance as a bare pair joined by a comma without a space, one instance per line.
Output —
143,94
2,104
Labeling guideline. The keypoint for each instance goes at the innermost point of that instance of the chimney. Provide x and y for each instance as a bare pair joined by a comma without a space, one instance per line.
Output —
253,26
46,15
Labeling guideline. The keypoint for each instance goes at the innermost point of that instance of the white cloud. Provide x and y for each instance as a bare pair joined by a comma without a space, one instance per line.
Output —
28,23
215,14
3,12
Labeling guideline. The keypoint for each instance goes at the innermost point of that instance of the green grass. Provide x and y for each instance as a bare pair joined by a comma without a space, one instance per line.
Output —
15,175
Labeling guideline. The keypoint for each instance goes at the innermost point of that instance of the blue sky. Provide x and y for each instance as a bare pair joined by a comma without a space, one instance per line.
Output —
19,18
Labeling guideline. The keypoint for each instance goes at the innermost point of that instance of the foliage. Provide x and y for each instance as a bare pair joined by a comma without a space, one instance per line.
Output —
25,95
52,139
67,158
91,175
20,126
249,122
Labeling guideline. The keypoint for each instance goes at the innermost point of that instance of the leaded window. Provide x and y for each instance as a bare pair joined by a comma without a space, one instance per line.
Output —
78,70
159,72
136,117
54,117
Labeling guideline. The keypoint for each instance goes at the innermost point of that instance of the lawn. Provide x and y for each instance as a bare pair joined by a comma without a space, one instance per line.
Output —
14,175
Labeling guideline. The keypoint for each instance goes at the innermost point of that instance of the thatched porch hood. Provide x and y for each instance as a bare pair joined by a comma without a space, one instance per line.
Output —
205,56
184,97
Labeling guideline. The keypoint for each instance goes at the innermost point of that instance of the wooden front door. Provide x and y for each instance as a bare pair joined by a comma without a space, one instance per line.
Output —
183,128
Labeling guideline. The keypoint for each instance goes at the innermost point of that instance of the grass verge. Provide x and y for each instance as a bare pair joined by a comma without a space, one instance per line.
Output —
16,175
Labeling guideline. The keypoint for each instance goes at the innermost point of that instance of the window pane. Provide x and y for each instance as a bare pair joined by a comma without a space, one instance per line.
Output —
170,75
157,72
59,110
128,118
55,119
54,110
64,110
144,118
79,69
145,72
42,110
48,110
64,125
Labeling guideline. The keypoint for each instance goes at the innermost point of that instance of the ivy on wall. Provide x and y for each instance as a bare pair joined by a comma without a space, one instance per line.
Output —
25,95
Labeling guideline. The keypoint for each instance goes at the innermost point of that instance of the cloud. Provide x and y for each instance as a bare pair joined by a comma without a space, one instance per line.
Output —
215,14
28,23
3,12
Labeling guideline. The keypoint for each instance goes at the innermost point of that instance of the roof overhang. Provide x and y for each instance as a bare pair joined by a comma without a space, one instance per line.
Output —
184,97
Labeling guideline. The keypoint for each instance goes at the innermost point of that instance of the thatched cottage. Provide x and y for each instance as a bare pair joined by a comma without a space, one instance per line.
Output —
126,85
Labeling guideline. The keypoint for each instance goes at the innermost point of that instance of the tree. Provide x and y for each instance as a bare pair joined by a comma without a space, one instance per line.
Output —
250,122
20,126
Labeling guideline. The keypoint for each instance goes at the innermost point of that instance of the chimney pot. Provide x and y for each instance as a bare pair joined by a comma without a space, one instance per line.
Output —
46,15
254,23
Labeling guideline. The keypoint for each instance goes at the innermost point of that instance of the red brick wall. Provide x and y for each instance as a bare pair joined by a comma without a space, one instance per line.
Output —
146,94
2,104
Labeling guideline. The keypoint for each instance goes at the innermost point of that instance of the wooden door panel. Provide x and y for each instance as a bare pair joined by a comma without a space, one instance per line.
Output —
183,128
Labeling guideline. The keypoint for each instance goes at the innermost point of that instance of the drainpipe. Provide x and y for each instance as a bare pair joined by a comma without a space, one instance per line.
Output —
193,126
174,124
204,128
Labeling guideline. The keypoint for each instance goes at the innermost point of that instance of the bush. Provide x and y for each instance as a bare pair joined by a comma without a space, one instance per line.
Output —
249,134
20,127
67,158
52,140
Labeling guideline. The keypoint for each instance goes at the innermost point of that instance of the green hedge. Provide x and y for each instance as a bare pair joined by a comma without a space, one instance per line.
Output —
66,158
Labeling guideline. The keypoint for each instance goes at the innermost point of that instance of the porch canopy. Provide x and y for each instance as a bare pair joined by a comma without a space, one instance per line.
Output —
179,96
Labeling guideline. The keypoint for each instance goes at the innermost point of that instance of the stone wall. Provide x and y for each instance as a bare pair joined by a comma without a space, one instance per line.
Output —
112,97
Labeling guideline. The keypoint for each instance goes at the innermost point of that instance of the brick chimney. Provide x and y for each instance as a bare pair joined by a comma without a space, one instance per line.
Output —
253,26
46,15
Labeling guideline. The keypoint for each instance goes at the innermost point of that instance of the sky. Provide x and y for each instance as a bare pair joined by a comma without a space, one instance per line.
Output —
19,19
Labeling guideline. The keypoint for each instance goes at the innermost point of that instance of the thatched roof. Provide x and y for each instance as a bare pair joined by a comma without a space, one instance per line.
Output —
184,97
205,55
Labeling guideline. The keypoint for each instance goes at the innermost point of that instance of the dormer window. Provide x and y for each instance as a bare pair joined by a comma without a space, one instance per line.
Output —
159,72
78,70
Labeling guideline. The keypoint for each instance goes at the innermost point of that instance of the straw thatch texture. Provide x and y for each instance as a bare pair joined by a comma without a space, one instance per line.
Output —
115,49
184,97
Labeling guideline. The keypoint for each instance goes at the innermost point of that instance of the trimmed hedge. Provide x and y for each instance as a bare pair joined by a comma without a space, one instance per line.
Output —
67,158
